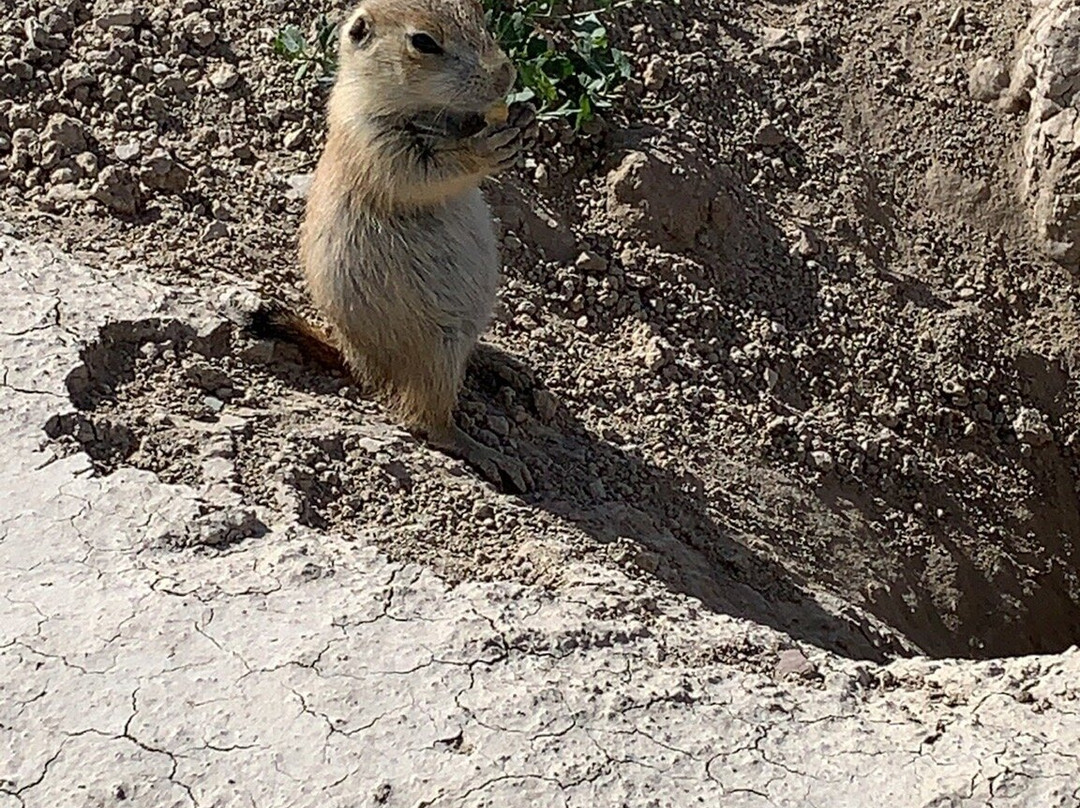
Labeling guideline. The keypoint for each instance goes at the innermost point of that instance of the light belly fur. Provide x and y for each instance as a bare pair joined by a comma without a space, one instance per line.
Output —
385,278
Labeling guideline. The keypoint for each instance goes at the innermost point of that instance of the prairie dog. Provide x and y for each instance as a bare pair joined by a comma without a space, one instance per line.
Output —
397,244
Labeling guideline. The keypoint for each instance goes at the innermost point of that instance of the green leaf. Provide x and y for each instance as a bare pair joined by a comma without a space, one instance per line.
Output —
622,64
326,33
520,97
585,112
290,42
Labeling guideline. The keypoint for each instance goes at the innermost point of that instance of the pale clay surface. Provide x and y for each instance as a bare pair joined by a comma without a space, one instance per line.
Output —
300,670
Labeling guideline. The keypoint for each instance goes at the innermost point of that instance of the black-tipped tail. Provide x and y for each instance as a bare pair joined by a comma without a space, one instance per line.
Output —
274,322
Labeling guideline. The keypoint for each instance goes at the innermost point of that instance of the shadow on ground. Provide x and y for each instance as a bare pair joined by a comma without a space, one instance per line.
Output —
614,493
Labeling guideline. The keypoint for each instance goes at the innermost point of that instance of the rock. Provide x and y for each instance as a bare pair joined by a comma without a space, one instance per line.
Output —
768,134
1047,78
60,195
224,76
808,244
124,16
648,349
499,425
20,69
822,460
163,173
63,136
1031,427
128,152
653,197
87,163
77,74
793,663
656,74
197,29
175,86
546,404
42,38
142,73
778,39
24,148
299,185
117,190
294,139
590,262
987,79
56,20
215,530
215,230
62,176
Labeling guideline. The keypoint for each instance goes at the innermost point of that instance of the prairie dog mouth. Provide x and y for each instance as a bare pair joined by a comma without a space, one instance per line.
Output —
444,124
456,125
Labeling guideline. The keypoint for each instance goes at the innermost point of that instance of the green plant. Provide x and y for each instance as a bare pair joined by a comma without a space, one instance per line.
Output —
566,63
567,66
317,54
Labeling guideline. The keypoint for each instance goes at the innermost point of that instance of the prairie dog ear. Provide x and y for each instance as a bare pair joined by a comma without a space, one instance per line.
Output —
358,28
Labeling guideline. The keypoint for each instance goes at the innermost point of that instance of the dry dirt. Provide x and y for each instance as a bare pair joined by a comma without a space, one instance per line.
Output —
780,332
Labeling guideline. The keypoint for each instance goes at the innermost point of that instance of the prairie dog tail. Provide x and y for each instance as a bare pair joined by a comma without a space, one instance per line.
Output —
274,322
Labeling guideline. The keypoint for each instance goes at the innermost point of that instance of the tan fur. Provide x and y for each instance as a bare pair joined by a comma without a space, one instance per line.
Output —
397,243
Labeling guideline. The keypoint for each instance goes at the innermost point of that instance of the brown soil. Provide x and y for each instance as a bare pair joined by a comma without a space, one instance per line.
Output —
777,327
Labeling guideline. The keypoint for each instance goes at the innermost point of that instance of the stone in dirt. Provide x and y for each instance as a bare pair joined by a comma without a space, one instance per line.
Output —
649,195
1031,427
988,79
162,173
225,76
118,191
124,15
63,137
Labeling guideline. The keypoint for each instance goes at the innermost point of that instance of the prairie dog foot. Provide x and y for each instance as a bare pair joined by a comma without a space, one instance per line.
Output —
507,473
523,117
499,145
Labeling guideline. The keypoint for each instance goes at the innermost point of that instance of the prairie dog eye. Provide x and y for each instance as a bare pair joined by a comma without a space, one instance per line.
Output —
359,31
424,43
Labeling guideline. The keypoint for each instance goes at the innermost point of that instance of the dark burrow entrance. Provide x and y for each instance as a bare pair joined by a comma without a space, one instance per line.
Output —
158,396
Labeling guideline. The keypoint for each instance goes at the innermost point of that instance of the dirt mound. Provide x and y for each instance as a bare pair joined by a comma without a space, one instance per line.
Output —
248,424
780,322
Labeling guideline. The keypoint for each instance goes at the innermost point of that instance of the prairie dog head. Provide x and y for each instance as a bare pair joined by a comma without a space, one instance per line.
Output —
403,57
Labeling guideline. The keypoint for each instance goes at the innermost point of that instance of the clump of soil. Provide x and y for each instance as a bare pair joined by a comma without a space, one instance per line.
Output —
781,317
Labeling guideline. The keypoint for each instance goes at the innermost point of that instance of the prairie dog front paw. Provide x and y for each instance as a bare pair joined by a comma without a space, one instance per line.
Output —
500,146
